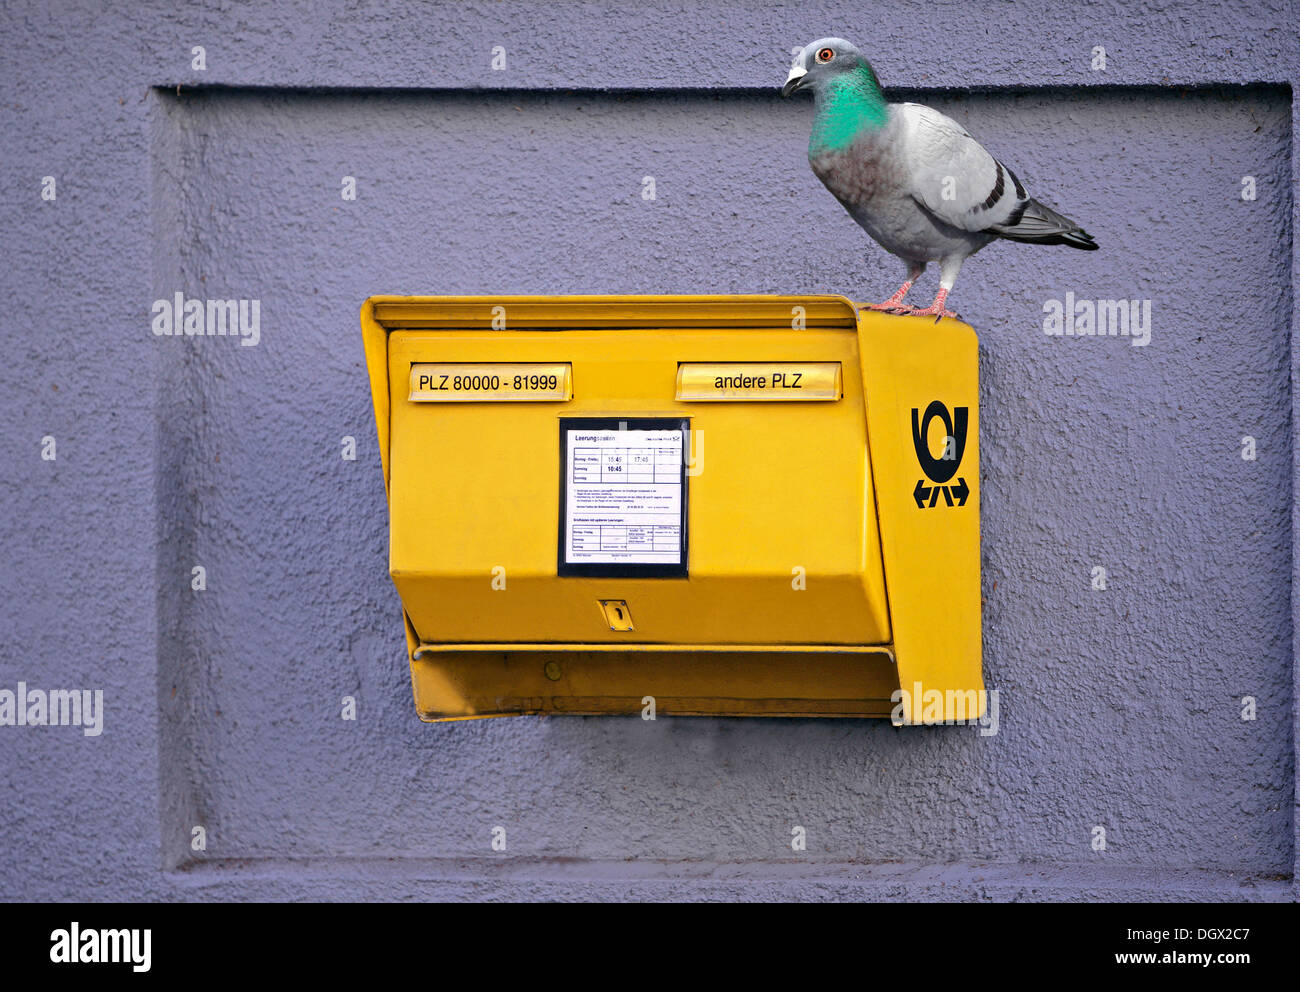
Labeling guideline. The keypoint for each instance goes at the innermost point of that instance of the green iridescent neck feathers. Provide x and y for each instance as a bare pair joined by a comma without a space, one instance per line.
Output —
848,105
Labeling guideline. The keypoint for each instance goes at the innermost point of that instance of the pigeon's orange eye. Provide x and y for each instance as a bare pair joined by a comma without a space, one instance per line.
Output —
825,55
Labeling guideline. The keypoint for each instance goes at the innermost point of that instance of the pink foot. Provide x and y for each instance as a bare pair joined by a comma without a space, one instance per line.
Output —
890,307
936,309
935,312
895,303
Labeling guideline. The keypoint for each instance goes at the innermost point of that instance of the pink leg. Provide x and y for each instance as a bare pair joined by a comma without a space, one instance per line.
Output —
895,303
936,309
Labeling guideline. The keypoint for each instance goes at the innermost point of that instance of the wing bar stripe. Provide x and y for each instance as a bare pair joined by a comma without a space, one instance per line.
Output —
997,189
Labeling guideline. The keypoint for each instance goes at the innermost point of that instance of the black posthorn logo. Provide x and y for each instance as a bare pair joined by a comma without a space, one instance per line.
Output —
940,470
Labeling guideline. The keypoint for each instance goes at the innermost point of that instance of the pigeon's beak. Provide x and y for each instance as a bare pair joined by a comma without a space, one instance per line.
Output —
795,81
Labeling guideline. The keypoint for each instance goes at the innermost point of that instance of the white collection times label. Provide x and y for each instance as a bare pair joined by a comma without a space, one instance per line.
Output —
624,503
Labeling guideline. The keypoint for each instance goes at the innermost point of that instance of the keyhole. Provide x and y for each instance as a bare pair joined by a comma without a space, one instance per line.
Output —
616,614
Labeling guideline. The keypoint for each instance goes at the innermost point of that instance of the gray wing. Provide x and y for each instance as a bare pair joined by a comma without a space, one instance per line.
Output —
953,177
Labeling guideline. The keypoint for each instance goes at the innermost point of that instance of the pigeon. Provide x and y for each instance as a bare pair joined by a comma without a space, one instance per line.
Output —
911,177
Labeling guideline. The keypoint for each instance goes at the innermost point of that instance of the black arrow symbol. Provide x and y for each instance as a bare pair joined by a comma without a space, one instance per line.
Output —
920,493
961,491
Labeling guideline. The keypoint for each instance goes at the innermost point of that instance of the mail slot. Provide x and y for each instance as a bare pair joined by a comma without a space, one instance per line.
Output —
686,505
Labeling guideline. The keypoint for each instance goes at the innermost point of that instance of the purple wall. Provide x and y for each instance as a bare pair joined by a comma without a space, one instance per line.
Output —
1118,708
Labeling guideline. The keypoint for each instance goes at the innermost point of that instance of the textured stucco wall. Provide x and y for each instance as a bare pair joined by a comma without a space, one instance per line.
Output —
1118,708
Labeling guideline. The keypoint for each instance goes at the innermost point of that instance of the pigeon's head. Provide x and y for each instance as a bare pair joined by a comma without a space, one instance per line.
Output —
822,62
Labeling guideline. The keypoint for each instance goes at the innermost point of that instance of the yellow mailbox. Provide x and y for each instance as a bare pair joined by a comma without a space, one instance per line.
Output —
723,505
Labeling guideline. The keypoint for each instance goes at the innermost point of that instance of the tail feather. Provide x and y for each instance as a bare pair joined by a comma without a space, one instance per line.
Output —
1041,225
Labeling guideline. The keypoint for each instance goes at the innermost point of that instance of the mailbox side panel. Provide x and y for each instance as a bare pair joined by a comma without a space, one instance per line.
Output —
922,398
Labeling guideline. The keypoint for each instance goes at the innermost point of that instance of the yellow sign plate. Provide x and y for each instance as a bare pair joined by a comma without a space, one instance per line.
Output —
702,382
491,382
